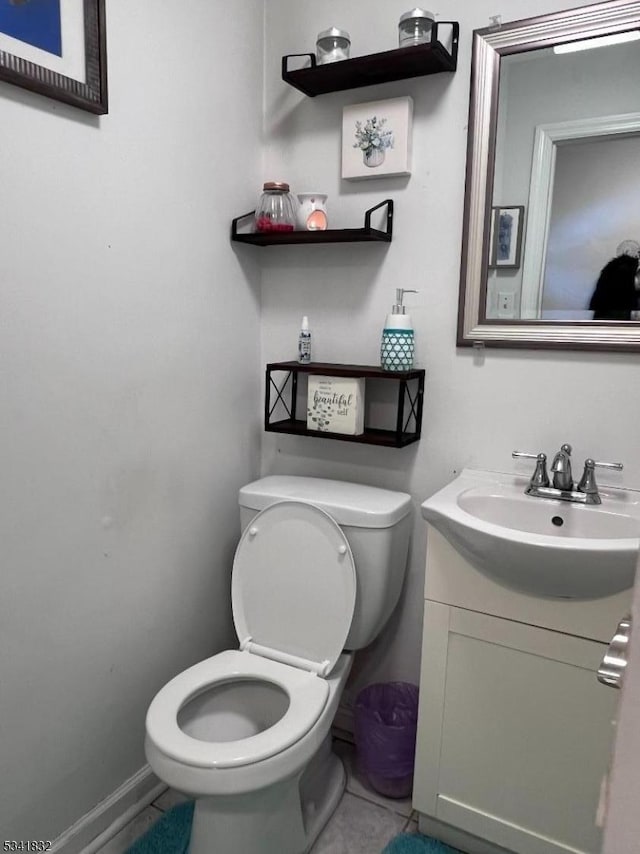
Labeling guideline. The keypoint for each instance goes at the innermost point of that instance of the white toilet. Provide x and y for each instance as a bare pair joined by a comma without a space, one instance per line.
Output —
318,571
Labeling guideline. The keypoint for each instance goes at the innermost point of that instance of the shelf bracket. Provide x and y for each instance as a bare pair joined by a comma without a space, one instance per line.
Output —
234,223
402,391
285,61
389,221
414,402
455,38
268,409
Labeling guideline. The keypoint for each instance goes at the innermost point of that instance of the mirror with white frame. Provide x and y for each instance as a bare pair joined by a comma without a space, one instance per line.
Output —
551,244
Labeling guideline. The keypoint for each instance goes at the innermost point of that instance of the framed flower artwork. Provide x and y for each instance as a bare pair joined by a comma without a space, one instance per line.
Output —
376,139
506,236
56,48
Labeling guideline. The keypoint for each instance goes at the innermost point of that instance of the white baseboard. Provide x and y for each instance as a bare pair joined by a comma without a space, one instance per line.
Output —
99,825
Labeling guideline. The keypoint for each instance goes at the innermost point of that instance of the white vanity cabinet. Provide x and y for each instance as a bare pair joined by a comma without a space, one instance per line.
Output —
514,729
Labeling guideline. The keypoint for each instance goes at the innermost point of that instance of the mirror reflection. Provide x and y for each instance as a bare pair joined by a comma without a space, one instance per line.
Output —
565,225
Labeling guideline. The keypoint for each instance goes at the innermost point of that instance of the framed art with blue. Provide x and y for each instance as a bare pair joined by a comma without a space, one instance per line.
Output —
507,225
56,48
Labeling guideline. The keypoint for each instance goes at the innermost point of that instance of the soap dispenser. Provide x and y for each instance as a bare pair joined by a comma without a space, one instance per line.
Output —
397,347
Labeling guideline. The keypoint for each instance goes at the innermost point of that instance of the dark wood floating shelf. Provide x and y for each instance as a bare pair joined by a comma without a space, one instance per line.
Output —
335,369
366,234
399,64
386,438
409,403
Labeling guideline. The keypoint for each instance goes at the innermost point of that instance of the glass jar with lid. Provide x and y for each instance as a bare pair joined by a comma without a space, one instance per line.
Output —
415,27
333,45
276,210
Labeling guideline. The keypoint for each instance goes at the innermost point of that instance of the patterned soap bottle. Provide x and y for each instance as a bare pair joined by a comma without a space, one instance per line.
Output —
397,347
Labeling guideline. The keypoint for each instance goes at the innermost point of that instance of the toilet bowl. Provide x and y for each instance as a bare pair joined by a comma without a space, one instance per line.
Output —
236,722
247,732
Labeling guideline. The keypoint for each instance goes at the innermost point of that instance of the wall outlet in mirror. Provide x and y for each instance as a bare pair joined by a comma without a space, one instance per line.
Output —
506,304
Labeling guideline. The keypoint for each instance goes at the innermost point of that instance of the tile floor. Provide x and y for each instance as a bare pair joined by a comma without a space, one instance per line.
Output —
363,823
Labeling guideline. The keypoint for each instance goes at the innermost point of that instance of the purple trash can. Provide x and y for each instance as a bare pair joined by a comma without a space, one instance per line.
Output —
386,722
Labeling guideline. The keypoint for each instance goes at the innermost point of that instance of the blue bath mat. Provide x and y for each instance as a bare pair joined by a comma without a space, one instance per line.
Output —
416,843
169,835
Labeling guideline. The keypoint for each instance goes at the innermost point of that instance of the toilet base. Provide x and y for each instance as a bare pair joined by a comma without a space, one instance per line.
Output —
285,818
321,788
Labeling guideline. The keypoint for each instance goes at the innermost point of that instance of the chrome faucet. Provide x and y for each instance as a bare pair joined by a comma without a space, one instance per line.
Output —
561,469
584,492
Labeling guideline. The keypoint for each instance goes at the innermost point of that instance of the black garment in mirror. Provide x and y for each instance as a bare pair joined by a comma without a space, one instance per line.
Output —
615,295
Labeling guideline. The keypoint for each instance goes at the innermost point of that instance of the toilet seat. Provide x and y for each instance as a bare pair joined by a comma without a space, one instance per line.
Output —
293,587
307,698
293,593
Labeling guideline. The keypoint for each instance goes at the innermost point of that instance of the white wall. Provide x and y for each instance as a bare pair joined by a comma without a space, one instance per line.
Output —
129,394
477,408
594,208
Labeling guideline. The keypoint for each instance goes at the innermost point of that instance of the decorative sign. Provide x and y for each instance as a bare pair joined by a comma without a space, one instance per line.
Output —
336,405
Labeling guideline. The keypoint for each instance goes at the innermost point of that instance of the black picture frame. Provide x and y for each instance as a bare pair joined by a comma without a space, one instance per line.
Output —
514,249
90,95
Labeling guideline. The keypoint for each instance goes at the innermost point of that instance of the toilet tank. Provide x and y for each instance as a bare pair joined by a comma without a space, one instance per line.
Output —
377,524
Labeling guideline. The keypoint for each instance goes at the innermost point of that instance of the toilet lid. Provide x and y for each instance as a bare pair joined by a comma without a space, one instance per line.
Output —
293,587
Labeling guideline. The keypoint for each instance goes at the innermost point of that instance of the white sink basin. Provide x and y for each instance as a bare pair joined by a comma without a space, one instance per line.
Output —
539,545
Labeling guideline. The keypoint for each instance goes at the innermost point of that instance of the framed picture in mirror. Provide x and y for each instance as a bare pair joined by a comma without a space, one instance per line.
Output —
506,237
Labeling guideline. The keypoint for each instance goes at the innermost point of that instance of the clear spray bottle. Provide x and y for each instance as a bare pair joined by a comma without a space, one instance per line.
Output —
304,342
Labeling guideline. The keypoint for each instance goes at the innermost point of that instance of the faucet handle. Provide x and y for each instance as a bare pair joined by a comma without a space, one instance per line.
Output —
525,455
588,480
598,464
540,476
